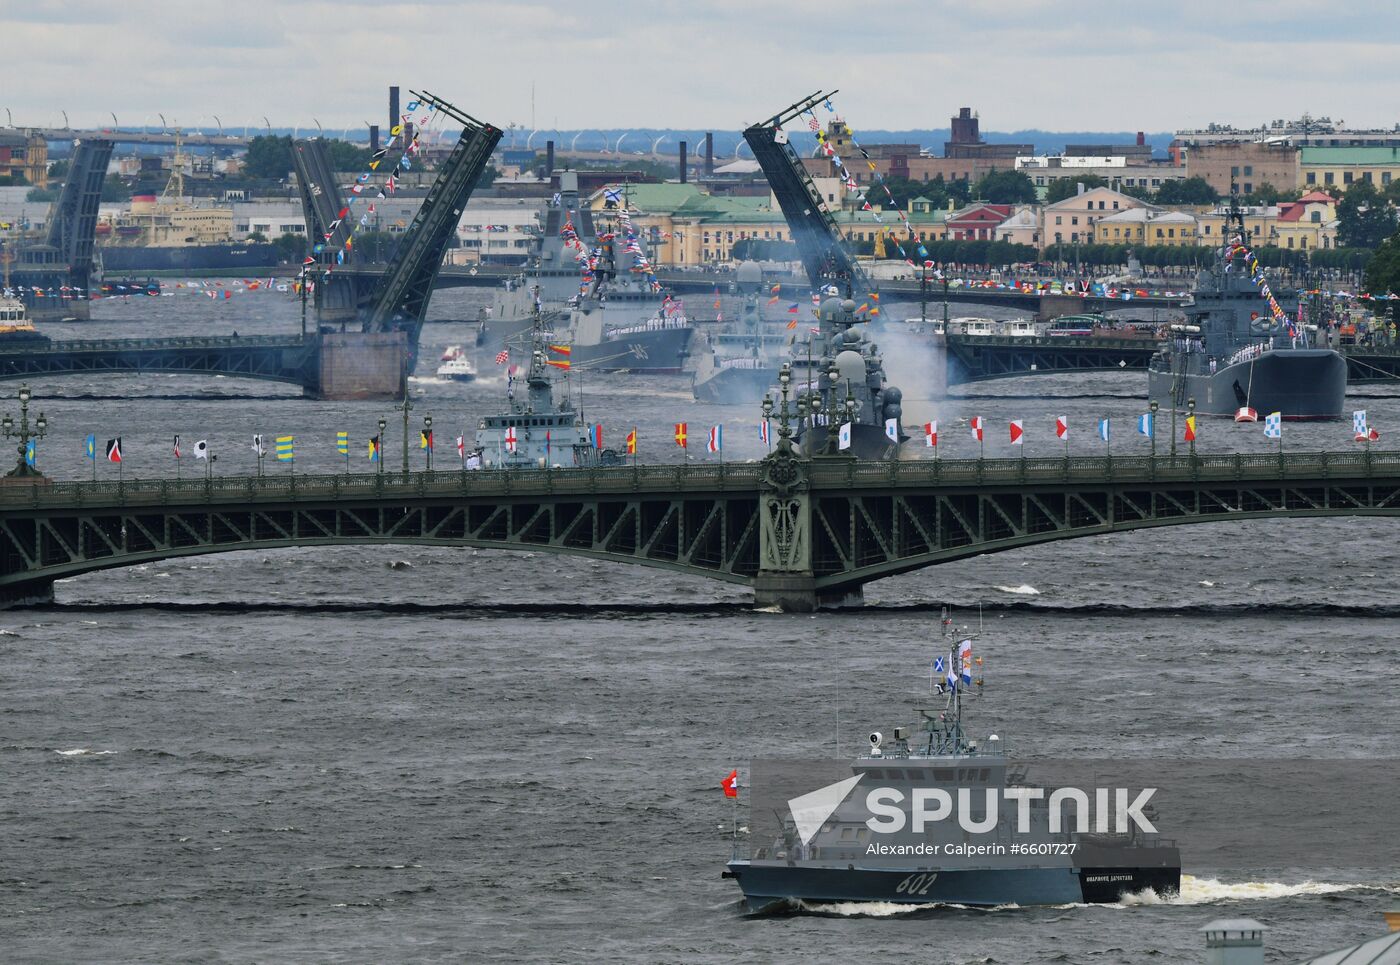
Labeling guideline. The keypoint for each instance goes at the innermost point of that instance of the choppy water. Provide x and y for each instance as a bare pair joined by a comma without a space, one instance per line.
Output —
383,754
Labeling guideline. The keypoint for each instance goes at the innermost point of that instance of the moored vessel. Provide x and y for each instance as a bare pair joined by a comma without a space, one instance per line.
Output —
839,844
1243,347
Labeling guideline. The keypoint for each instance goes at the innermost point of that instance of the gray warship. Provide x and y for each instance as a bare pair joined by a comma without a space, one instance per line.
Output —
595,289
1233,356
841,379
739,365
556,278
837,859
624,321
538,431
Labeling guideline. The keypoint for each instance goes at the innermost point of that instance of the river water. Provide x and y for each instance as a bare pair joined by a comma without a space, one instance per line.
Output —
411,754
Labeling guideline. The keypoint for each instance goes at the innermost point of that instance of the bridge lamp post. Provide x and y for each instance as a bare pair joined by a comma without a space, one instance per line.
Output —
1152,437
382,426
25,434
428,430
1191,411
406,408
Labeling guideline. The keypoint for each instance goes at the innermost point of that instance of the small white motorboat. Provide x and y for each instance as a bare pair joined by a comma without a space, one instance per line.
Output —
459,369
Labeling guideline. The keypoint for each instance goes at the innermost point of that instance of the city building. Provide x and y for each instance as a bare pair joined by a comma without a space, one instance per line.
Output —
1245,165
1022,228
1308,223
976,222
1120,171
24,156
1072,220
1148,226
1339,167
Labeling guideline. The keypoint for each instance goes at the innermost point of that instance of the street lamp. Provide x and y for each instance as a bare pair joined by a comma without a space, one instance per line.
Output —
1190,415
382,426
25,434
428,431
406,408
1152,437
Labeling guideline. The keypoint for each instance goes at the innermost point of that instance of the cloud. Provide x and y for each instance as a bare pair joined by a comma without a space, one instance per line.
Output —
1056,64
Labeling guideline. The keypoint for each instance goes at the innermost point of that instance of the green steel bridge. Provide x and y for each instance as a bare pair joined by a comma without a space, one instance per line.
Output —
803,533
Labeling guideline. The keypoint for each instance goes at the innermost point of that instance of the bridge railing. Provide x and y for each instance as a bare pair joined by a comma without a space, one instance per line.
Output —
1223,467
827,474
67,346
277,487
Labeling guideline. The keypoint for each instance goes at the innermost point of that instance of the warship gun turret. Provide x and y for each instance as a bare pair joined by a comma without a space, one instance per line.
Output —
841,383
1242,350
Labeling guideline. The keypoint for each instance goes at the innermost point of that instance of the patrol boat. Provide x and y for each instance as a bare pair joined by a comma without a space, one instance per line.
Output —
1236,353
840,858
840,383
538,431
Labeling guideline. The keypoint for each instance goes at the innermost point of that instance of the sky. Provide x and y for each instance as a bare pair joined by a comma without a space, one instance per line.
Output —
1102,65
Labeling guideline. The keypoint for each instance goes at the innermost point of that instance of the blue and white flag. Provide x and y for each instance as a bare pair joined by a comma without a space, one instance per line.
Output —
844,436
1104,429
1145,424
937,664
892,429
29,453
613,195
1358,422
1273,425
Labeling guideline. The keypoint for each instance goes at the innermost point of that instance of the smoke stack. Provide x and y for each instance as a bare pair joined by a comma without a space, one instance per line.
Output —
683,162
710,155
374,137
1142,139
393,107
548,158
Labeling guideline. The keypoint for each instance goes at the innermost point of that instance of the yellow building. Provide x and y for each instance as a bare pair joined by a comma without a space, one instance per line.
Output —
1146,227
26,155
1340,167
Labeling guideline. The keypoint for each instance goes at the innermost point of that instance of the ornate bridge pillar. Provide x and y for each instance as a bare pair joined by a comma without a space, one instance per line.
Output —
785,579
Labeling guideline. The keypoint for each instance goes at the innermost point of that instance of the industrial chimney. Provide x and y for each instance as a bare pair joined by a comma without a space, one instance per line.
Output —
683,162
548,158
374,137
710,155
393,107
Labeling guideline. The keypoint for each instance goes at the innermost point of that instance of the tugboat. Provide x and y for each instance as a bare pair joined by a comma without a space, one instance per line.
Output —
16,330
838,857
739,366
842,380
537,432
458,369
1241,349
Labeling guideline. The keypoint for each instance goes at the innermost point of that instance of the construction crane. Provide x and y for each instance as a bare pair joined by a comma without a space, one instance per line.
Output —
824,254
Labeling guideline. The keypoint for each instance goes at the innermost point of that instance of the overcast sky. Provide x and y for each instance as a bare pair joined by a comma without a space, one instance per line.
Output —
1053,64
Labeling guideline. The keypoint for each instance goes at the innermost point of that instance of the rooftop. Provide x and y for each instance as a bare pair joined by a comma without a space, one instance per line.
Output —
1349,155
